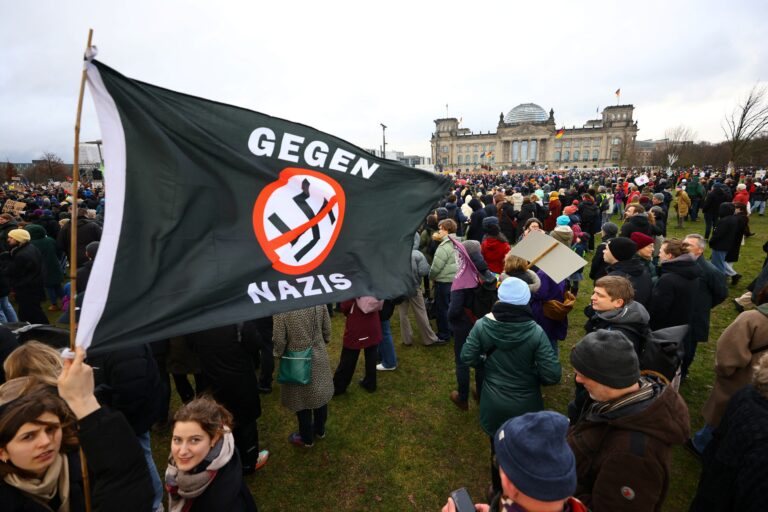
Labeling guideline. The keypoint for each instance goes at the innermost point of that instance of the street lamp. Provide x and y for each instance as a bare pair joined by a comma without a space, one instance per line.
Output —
383,140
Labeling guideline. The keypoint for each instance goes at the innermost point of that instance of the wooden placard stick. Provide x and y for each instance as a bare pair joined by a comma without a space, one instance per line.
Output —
539,257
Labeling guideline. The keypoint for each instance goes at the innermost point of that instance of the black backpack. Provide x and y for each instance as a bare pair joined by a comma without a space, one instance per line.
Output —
484,296
604,203
663,351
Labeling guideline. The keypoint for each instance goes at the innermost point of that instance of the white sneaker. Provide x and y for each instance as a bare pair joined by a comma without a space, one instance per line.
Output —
383,368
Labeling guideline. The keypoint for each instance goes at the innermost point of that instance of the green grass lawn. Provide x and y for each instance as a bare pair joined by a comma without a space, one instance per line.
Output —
406,446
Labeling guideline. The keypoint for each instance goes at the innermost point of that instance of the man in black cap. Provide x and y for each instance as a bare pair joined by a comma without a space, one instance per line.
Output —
624,433
536,466
619,255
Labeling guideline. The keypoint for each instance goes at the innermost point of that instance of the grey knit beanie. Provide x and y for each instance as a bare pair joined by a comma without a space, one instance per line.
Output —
607,357
472,246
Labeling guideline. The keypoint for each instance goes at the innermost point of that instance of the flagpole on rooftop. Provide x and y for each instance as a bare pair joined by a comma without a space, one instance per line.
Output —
73,254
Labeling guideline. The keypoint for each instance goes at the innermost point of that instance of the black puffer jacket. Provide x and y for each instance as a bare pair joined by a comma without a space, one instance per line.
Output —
637,273
128,381
728,232
23,267
527,211
590,217
715,198
87,232
734,477
673,297
712,290
4,230
476,220
507,217
229,368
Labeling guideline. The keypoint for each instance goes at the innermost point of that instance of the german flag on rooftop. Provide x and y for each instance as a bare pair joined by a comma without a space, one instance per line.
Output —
559,133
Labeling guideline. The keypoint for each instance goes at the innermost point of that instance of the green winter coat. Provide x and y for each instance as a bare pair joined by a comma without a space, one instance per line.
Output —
520,362
47,247
443,268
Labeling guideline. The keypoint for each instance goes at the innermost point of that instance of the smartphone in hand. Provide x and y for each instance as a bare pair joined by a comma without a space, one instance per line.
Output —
462,500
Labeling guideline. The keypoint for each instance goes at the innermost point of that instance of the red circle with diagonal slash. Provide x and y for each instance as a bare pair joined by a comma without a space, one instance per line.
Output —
270,246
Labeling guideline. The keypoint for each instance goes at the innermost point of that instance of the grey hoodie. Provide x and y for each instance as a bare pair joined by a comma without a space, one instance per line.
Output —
632,320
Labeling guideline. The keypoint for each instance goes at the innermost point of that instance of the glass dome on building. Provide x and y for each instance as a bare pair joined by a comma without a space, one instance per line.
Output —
526,113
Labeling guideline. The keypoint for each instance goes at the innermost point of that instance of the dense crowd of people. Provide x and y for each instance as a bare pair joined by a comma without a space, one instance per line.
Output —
650,302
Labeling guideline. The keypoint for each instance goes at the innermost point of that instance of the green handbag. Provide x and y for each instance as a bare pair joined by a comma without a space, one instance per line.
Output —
295,367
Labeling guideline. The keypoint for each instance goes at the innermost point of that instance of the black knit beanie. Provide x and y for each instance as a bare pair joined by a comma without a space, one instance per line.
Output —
622,248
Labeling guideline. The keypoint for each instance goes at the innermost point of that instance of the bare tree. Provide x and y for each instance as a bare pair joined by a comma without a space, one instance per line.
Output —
48,167
747,121
677,141
9,170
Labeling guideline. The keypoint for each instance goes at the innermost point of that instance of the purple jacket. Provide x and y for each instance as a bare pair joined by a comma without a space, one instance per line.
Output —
549,290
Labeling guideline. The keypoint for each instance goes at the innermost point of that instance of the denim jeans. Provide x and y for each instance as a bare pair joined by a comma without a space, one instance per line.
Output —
442,299
702,438
718,260
157,485
759,207
387,346
54,294
7,313
694,212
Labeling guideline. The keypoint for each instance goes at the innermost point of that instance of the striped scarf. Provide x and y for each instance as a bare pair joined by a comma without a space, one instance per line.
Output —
648,390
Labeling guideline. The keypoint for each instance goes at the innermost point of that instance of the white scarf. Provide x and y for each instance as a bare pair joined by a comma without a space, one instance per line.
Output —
55,480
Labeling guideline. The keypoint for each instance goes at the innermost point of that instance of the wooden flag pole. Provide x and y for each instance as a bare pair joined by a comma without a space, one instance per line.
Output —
73,256
73,210
539,257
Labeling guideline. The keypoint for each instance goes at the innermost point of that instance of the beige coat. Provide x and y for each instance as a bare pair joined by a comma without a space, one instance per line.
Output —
738,350
683,202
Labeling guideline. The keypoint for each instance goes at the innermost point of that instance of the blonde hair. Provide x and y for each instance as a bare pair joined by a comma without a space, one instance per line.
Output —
34,359
760,376
514,263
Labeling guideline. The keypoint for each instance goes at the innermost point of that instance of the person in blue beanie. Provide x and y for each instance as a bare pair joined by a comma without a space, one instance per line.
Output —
536,466
516,356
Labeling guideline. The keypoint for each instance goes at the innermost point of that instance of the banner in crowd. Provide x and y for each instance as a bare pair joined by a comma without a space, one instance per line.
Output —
217,214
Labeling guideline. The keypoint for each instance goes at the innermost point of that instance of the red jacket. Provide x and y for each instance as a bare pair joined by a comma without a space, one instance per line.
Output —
493,251
742,196
362,330
555,210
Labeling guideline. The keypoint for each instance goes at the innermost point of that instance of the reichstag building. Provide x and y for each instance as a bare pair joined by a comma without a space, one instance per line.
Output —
527,137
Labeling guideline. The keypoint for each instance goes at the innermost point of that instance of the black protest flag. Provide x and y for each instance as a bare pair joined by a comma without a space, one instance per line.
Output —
217,214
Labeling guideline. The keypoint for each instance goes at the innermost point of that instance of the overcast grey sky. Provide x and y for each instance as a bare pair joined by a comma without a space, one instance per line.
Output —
345,67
